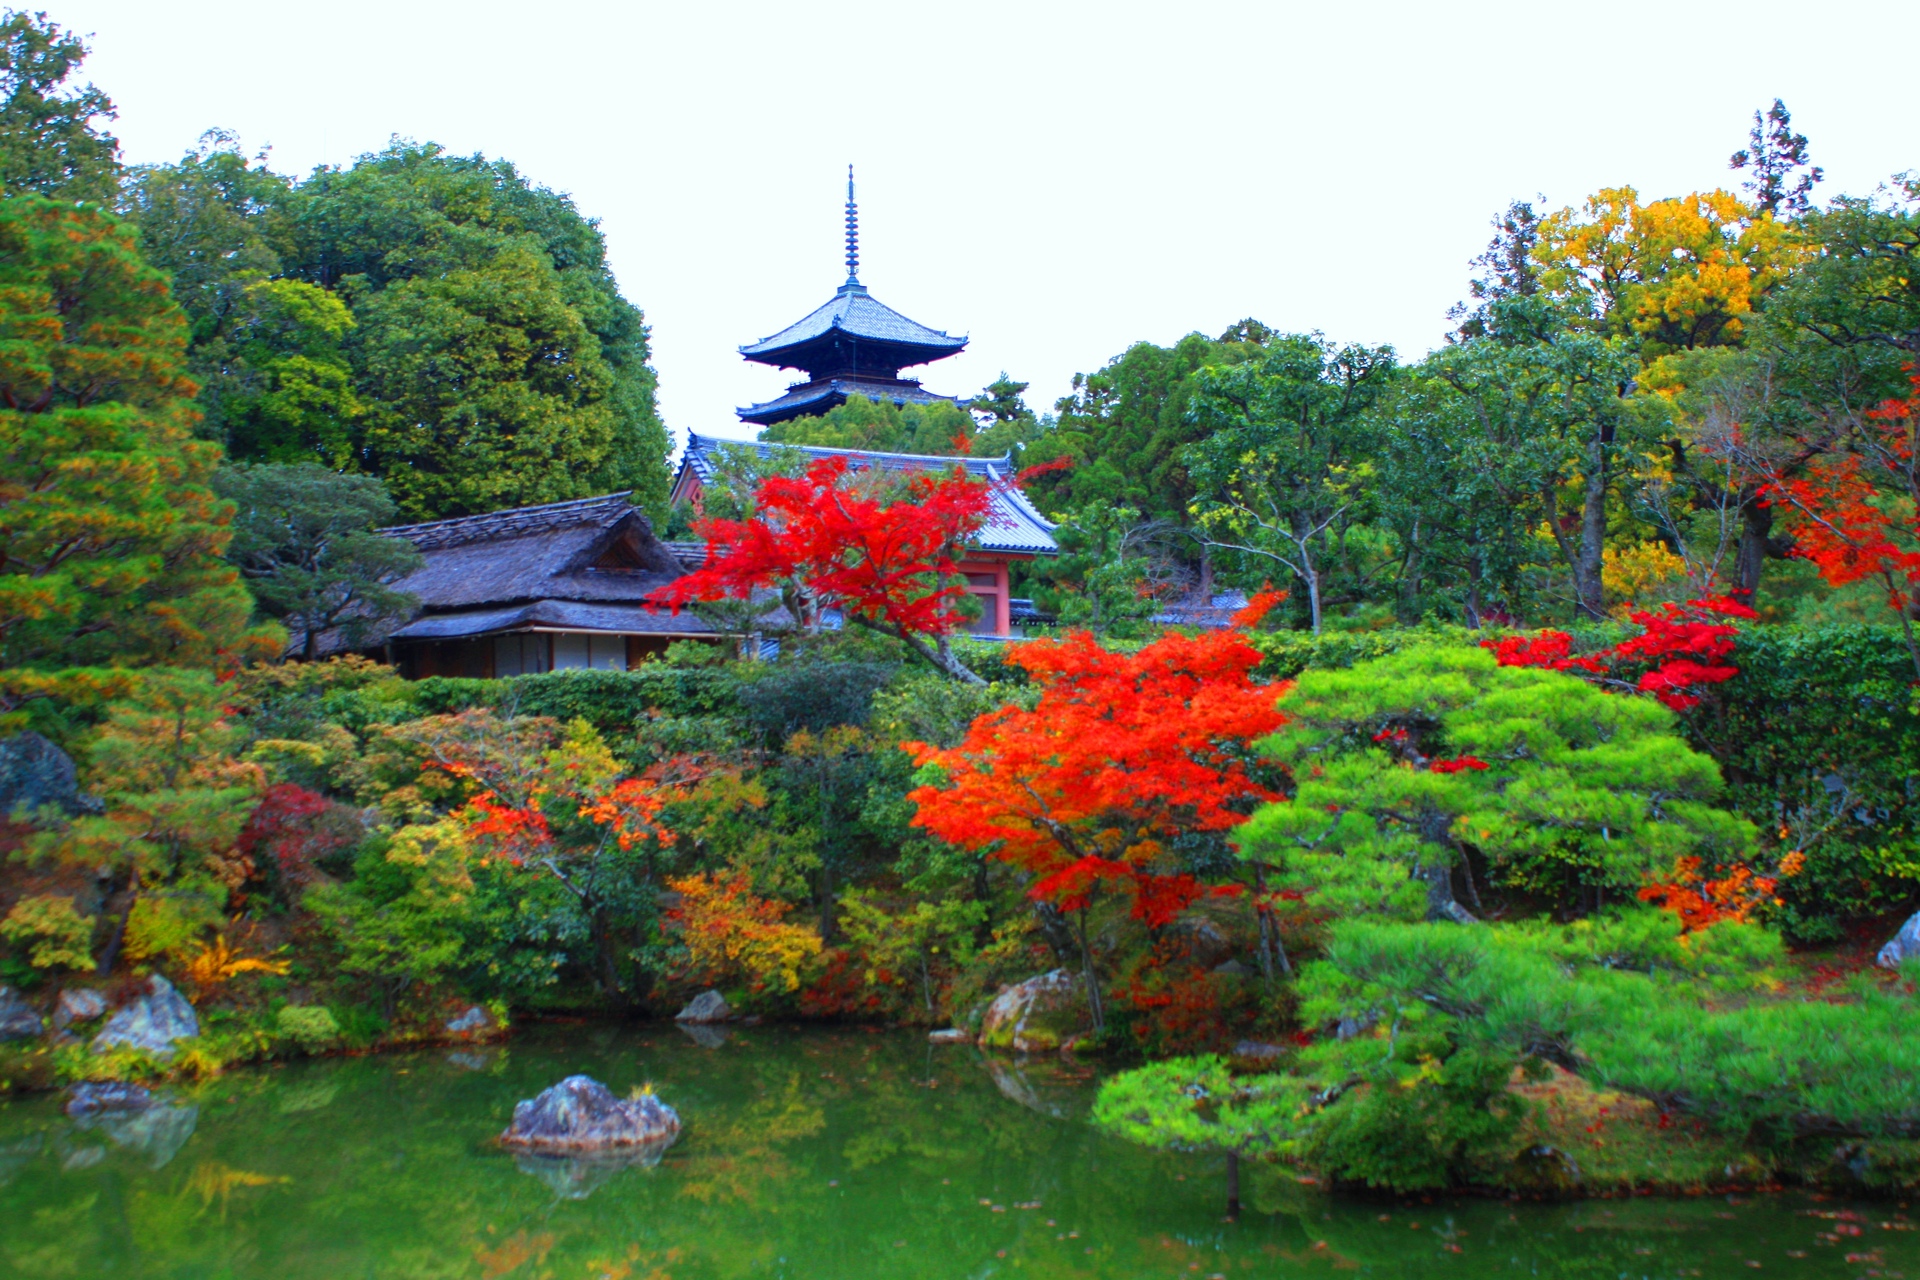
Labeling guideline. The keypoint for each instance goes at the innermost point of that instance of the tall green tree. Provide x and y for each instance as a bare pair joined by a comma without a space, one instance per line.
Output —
110,536
438,321
50,139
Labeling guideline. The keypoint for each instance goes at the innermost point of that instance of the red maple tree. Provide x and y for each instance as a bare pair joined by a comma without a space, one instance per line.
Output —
1855,511
1680,650
883,550
1122,756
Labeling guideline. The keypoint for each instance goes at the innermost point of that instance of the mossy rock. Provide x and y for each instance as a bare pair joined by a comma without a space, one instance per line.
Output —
1040,1015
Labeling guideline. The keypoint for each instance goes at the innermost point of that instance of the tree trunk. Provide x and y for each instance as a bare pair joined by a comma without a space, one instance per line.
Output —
1312,576
1593,535
1270,945
119,934
1096,1007
1233,1185
1472,603
1054,928
1756,528
1437,871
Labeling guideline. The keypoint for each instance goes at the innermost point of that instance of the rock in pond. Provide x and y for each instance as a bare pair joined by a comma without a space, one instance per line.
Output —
94,1098
1904,945
579,1114
77,1004
952,1035
153,1022
1039,1015
473,1022
18,1019
708,1006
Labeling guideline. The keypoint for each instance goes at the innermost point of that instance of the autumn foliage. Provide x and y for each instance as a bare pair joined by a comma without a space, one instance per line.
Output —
886,556
1122,755
1701,900
1680,649
731,934
1854,512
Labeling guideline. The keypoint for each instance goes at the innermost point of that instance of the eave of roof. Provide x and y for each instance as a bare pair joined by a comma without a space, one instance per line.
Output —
807,394
1014,525
553,615
859,314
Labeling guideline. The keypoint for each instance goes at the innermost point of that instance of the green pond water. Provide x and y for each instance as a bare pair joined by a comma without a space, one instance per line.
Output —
805,1154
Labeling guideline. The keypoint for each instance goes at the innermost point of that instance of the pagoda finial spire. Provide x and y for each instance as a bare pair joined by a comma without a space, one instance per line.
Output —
853,233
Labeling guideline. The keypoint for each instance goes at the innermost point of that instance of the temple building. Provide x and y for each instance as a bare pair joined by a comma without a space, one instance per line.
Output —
853,345
1014,530
567,585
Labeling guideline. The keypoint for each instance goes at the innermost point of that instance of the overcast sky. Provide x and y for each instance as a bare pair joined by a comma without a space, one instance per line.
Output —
1055,180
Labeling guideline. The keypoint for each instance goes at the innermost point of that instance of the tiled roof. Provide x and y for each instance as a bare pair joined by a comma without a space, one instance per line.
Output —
855,311
808,394
1013,524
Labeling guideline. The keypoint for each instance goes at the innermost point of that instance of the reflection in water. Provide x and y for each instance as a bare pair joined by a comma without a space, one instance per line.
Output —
474,1059
575,1177
808,1155
703,1034
157,1133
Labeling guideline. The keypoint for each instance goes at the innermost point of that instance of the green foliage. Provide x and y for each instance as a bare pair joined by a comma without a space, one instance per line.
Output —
312,1027
1581,788
1195,1104
1817,736
111,546
437,321
399,921
50,144
915,945
53,933
304,539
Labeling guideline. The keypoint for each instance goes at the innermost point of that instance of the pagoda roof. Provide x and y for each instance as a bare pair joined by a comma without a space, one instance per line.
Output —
1013,524
855,313
824,393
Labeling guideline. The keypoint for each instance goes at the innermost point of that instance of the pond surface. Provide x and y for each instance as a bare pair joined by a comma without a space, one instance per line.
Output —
817,1155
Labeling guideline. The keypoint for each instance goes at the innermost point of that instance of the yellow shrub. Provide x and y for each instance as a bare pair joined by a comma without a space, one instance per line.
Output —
52,930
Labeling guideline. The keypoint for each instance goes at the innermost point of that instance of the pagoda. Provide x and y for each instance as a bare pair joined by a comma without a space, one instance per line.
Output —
854,345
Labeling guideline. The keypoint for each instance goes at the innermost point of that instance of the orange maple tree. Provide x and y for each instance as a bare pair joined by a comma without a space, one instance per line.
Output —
1855,511
882,550
1123,756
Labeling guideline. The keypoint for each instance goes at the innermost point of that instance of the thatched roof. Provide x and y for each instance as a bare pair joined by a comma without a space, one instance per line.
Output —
585,565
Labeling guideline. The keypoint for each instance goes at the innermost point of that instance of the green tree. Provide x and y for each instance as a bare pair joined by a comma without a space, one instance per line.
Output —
1782,177
1553,408
437,321
110,537
304,539
1412,767
1281,473
1124,427
49,141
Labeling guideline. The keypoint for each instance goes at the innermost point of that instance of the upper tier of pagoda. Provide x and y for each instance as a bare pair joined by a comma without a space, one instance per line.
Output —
853,345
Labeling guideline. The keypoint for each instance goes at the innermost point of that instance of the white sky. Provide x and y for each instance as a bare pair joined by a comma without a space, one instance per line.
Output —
1055,180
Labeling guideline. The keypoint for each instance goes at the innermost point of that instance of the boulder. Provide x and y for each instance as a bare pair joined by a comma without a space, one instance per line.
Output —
1039,1015
93,1098
1904,945
18,1019
708,1006
952,1035
77,1004
473,1022
34,772
579,1114
152,1022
